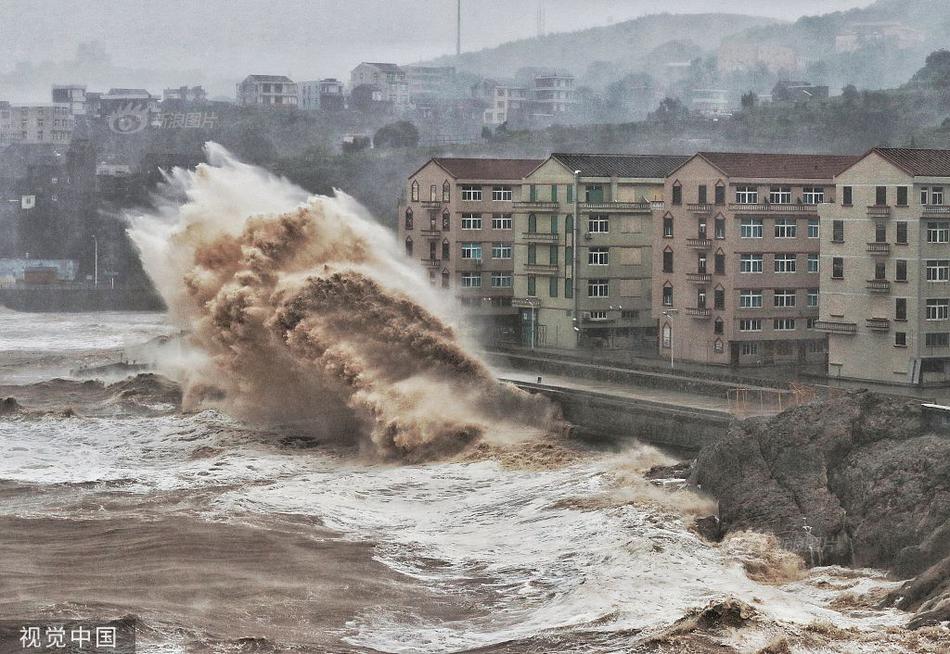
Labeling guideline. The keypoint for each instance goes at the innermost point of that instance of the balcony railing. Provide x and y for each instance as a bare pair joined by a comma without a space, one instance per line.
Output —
617,207
432,204
835,327
431,263
698,312
431,233
699,277
769,207
937,209
541,268
536,205
879,211
700,207
878,324
525,302
546,237
699,243
879,285
879,248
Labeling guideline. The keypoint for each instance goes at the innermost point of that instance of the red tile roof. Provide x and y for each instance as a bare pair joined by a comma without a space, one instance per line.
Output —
779,166
920,163
488,169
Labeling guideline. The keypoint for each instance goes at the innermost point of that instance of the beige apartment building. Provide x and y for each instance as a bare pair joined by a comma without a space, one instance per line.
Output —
885,268
267,91
457,220
606,302
736,258
36,123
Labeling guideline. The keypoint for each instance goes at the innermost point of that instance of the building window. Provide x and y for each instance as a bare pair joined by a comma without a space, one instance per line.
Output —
747,195
938,309
880,232
938,232
677,198
532,253
552,286
837,231
936,195
598,225
780,195
941,339
501,250
847,196
409,218
880,271
667,226
902,233
433,193
702,199
813,195
409,246
415,192
748,349
900,339
900,309
750,263
901,196
720,263
667,260
783,324
880,196
814,229
813,297
720,194
532,286
501,221
718,327
472,251
552,255
785,228
667,295
446,221
813,263
901,272
784,297
445,279
501,280
471,193
837,268
598,257
938,270
471,221
785,263
594,193
667,336
750,325
446,191
568,286
598,288
750,299
751,228
471,280
719,299
720,228
501,194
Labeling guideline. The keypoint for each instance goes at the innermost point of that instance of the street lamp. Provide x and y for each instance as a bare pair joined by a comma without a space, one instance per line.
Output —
670,314
95,258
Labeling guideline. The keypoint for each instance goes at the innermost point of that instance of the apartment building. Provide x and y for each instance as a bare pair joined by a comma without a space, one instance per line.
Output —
36,123
427,82
457,220
505,101
885,268
389,78
72,94
606,302
554,93
736,258
267,91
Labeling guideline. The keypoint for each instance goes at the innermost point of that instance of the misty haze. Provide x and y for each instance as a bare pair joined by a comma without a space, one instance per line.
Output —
427,326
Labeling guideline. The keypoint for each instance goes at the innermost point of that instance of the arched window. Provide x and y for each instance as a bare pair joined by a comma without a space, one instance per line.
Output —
446,221
532,223
720,227
717,329
677,198
415,191
408,246
667,332
668,225
720,263
445,278
446,248
408,217
720,193
446,191
717,346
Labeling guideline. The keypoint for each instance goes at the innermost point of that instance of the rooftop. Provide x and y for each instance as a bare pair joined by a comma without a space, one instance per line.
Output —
920,163
648,166
270,78
779,166
389,68
488,169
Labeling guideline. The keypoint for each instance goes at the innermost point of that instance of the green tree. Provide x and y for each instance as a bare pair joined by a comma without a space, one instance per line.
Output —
748,100
401,134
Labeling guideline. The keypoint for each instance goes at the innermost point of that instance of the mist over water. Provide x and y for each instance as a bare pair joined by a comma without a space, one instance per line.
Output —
303,310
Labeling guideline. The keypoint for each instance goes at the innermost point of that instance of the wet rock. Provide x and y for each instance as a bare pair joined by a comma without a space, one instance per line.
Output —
675,471
928,595
9,406
148,387
709,528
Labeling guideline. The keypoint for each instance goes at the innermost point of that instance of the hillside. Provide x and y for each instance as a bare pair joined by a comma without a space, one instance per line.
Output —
627,45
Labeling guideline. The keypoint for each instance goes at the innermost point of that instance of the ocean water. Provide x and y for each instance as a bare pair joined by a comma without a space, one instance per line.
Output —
220,536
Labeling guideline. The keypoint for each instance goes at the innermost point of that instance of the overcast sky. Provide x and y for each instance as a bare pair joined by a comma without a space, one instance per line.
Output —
315,38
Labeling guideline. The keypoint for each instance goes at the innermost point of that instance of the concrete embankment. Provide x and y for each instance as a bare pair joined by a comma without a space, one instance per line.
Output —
44,299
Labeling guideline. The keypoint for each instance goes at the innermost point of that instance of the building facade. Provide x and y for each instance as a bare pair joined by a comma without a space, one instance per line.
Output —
72,94
736,258
427,82
504,101
603,301
36,123
389,78
885,268
457,220
554,94
267,91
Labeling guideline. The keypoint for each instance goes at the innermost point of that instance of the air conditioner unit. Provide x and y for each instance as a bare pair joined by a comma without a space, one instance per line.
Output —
588,236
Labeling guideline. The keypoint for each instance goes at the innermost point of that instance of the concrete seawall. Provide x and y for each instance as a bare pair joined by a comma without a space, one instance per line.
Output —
618,418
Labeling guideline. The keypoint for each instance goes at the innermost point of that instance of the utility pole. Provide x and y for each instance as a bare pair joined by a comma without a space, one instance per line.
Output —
458,29
95,258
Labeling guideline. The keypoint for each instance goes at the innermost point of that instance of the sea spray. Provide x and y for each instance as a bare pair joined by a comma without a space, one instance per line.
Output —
304,311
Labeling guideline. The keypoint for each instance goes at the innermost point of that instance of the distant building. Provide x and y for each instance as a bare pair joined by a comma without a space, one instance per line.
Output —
507,101
369,98
72,94
711,103
308,95
185,94
389,78
21,270
426,82
267,91
863,35
325,95
736,56
36,123
554,94
793,91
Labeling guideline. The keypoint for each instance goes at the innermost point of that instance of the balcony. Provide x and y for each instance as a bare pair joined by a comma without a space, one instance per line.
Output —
617,207
431,233
768,207
699,277
835,327
536,205
878,324
879,211
879,248
431,263
701,208
431,204
701,313
937,210
879,285
699,243
525,302
539,237
541,268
